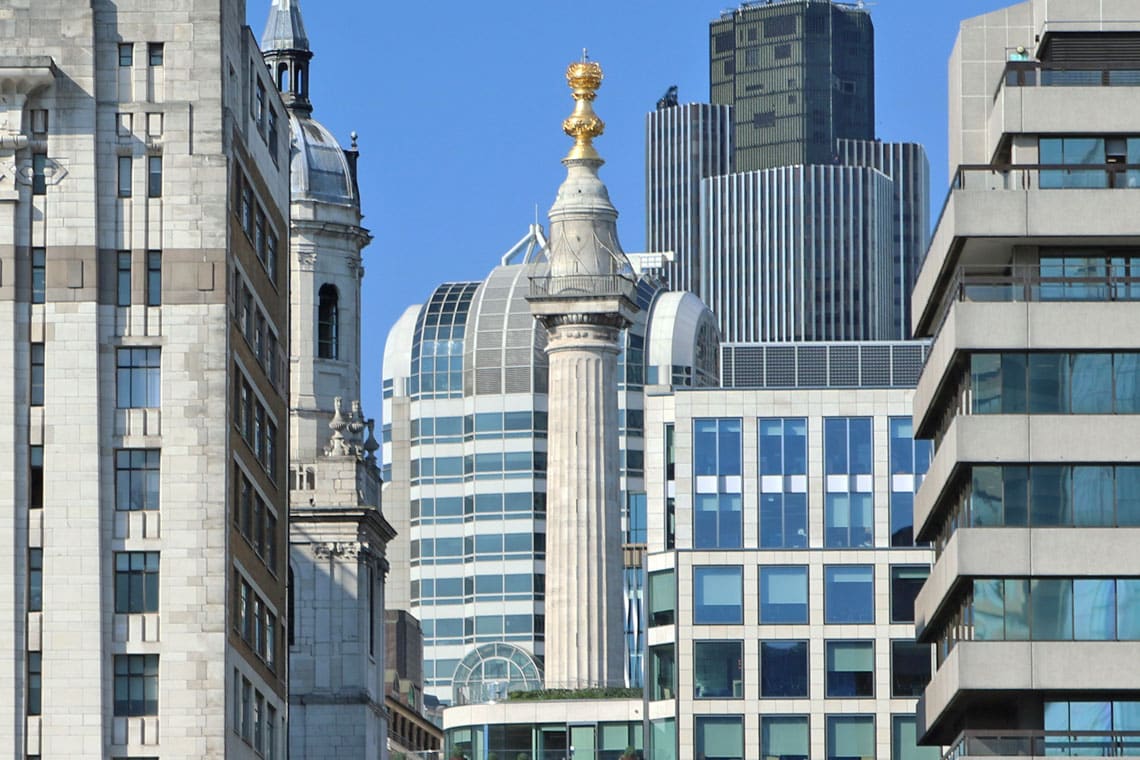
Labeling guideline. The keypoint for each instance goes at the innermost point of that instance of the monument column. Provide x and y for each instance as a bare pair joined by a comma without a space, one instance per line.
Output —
584,303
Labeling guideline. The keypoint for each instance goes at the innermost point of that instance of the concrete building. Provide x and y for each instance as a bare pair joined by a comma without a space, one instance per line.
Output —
799,74
145,211
1028,290
781,560
337,534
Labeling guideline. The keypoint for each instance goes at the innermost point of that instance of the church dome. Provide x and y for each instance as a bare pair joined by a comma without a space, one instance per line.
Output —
319,168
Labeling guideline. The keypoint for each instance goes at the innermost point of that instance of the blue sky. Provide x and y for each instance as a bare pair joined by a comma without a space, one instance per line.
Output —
459,108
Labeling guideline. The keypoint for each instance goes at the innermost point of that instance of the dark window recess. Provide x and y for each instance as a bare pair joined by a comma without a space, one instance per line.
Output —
723,42
753,87
764,119
779,26
730,67
752,34
782,52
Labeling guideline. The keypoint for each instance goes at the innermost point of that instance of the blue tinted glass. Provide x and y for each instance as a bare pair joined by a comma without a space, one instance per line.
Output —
730,529
704,447
1013,383
718,594
729,448
849,594
784,737
902,519
706,514
1127,495
716,669
783,669
850,736
1092,383
795,520
1051,608
1048,384
860,450
795,447
989,610
985,381
1016,594
771,447
783,594
1092,496
1128,609
835,445
901,445
1126,370
1094,609
1049,496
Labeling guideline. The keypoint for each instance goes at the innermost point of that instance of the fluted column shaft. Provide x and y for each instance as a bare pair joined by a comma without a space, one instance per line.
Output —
584,641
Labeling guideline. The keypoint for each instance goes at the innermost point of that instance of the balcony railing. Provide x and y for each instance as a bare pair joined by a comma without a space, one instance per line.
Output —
1040,74
1044,743
582,286
1012,283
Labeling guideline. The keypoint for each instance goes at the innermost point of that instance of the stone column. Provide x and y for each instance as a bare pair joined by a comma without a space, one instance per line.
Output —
584,641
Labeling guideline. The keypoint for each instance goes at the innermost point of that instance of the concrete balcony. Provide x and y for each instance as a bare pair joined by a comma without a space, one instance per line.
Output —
991,208
1043,744
1059,102
1021,552
1022,439
982,672
1015,309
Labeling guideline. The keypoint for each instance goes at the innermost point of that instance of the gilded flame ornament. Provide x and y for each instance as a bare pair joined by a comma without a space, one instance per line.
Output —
584,78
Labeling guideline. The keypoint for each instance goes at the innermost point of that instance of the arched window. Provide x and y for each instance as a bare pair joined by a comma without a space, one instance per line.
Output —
327,322
283,78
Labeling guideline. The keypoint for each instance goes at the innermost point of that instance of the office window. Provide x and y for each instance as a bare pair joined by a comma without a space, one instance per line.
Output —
850,736
271,254
39,174
136,479
906,582
154,278
850,668
849,594
663,672
246,710
718,595
35,683
270,733
328,319
155,54
271,135
783,482
39,274
719,737
717,517
138,377
136,685
35,580
783,668
36,396
126,54
35,477
909,460
848,507
154,176
123,278
904,741
125,167
784,737
136,582
783,594
662,597
717,669
910,668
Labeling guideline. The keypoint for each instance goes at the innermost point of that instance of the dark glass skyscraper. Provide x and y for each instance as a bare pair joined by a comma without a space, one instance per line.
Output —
800,74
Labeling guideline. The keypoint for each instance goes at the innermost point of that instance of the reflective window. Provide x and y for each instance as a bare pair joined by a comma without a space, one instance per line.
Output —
716,669
906,582
1054,383
784,737
138,377
783,668
850,668
849,507
904,741
663,669
717,517
849,594
783,482
910,668
136,684
719,737
909,460
662,597
850,736
783,594
718,595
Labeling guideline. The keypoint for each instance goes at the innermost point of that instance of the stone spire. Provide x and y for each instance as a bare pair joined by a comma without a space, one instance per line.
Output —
584,303
285,47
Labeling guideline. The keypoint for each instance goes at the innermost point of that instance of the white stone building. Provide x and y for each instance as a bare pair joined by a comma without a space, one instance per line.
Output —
144,202
337,534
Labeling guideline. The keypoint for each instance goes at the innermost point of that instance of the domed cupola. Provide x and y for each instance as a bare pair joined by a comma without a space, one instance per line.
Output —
320,170
285,47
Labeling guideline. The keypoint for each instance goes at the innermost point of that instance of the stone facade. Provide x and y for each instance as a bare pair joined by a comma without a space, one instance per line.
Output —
123,248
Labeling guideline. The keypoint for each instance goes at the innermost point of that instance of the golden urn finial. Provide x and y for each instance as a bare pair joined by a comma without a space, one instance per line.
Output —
584,78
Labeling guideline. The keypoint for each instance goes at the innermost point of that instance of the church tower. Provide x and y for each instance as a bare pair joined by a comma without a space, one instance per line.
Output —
584,303
338,534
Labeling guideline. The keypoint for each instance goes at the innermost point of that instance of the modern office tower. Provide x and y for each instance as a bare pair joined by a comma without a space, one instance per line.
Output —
684,144
466,377
782,571
337,534
1030,392
799,74
145,202
799,253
